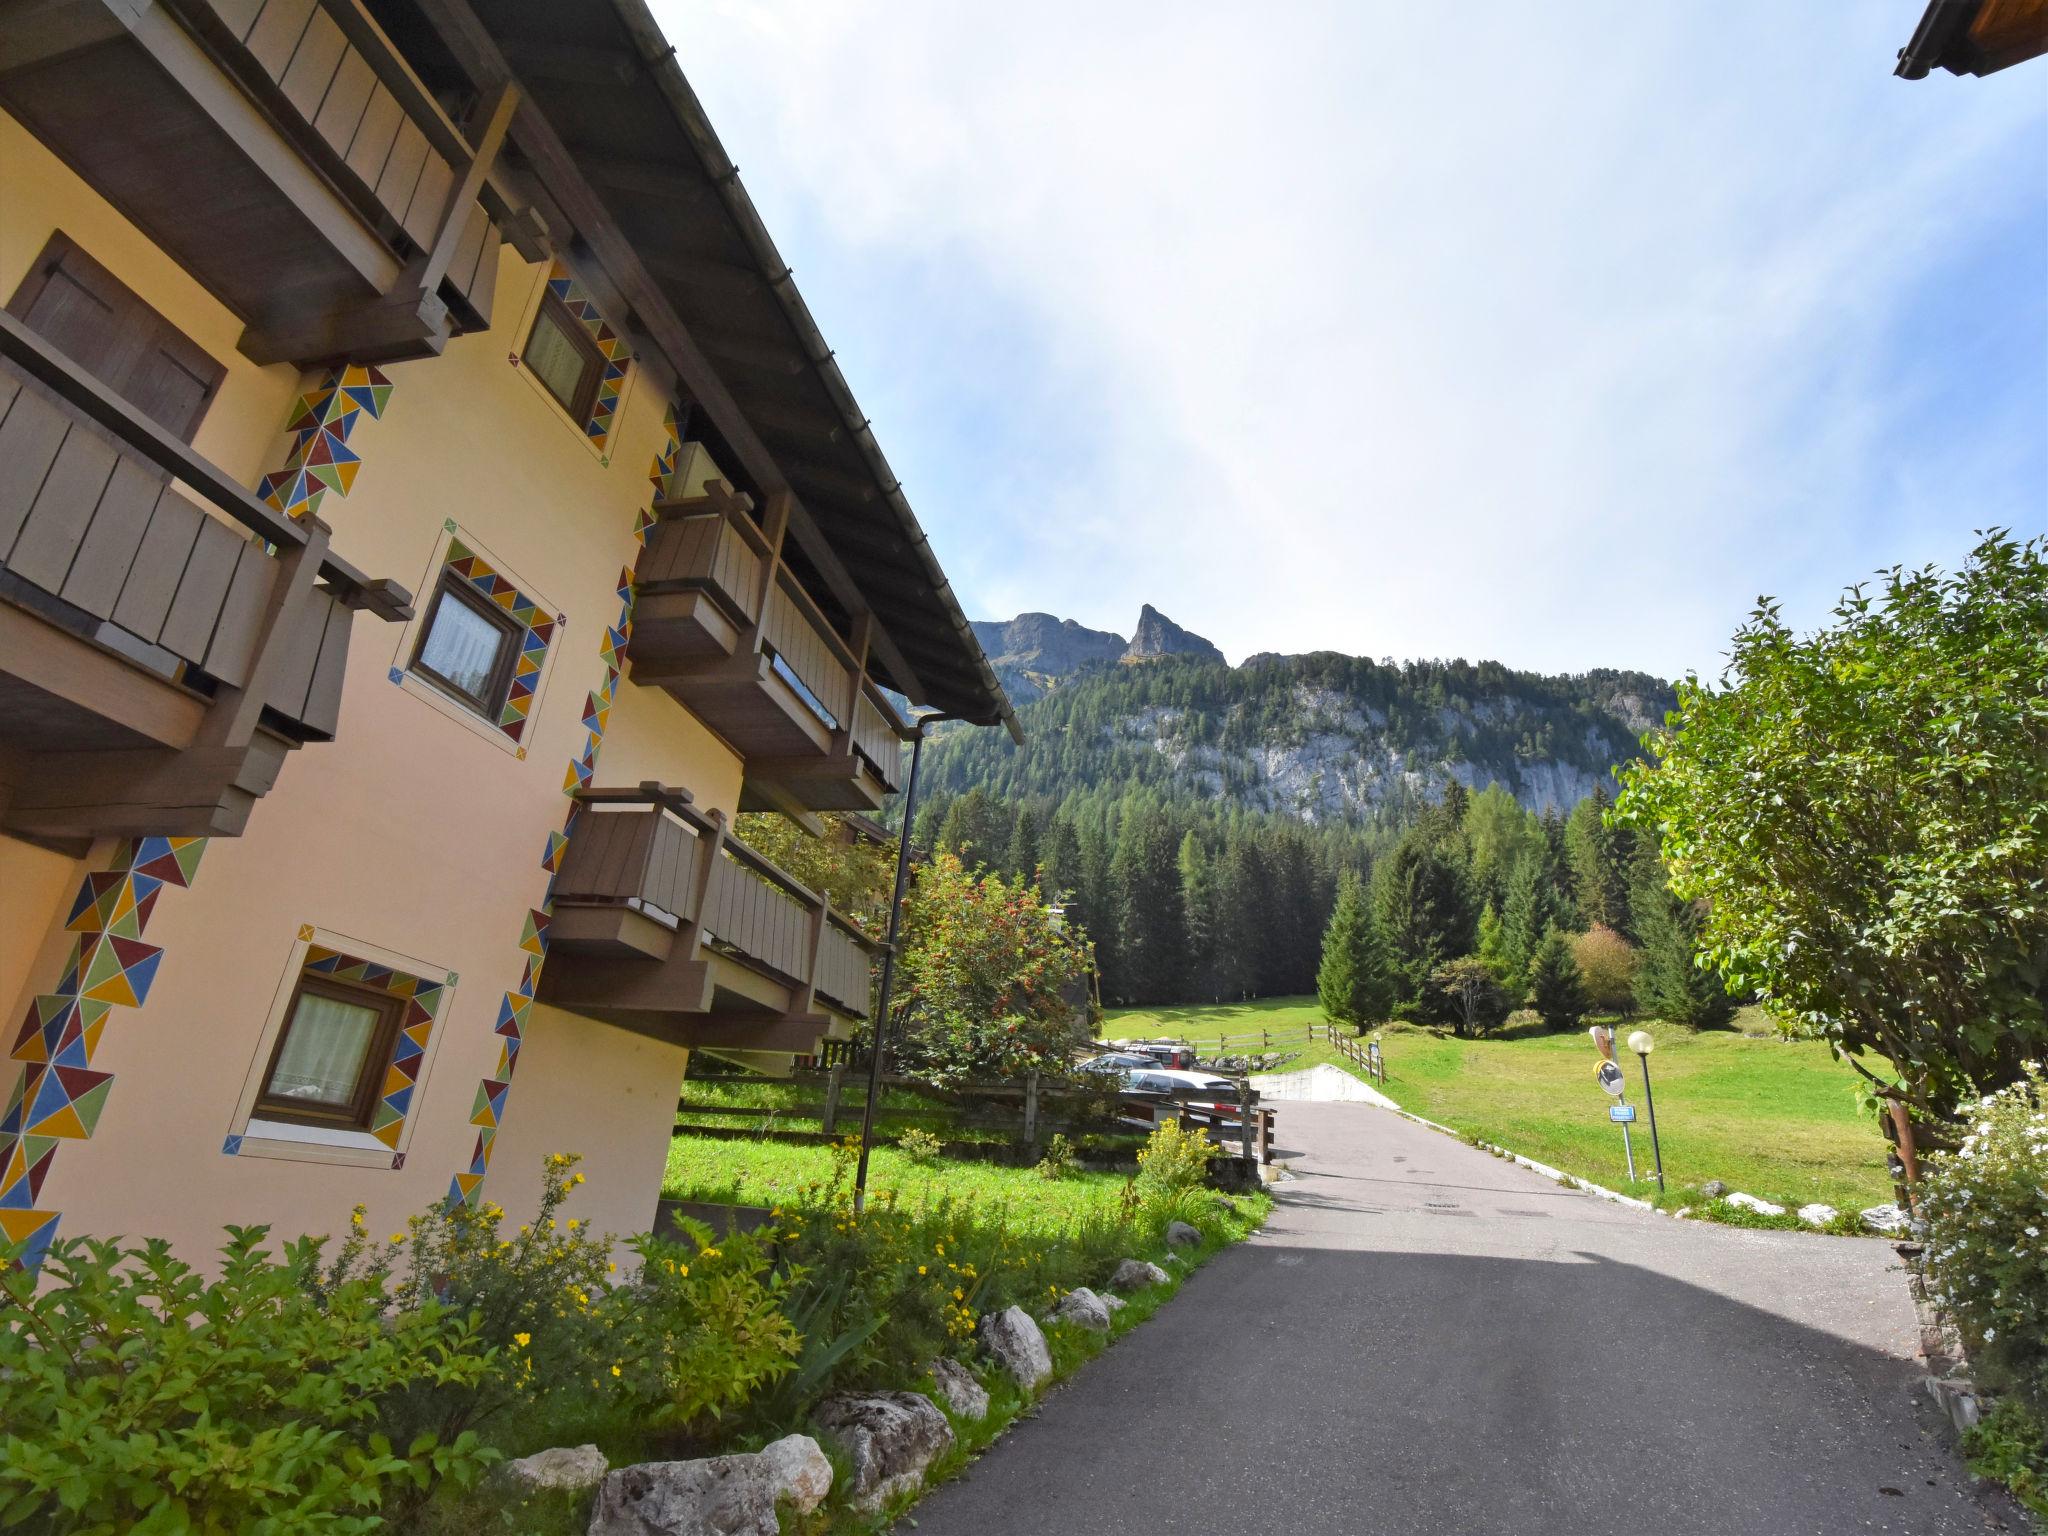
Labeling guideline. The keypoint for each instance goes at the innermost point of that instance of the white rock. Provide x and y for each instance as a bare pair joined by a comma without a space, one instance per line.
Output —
1888,1218
1180,1235
1752,1203
799,1469
562,1467
890,1437
1818,1214
956,1384
1017,1344
719,1496
1137,1275
1084,1307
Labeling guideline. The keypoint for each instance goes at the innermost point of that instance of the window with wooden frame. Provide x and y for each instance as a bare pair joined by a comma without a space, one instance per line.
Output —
468,646
332,1054
102,325
564,356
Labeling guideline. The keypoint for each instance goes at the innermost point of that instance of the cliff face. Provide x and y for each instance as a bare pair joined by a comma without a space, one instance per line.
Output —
1321,736
1035,652
1157,636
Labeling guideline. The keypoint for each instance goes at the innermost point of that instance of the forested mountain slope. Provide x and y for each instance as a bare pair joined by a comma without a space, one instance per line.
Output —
1320,737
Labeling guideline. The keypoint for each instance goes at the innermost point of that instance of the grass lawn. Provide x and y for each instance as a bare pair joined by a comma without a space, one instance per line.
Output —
772,1173
1775,1117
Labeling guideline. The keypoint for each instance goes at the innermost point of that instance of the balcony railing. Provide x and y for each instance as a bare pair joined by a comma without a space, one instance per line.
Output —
172,652
287,155
724,625
652,890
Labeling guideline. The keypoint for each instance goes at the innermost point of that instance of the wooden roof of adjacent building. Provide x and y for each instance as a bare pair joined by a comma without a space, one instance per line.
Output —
1975,37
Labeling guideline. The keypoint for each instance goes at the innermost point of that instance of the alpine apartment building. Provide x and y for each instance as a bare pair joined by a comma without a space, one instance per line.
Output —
428,514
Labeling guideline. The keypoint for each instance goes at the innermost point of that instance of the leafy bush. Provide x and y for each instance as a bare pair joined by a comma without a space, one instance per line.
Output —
1058,1161
1465,994
920,1146
579,1352
1986,1218
2010,1443
1607,963
1172,1159
136,1395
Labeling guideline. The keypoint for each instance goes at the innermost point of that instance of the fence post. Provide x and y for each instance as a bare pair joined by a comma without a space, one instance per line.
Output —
833,1079
1031,1110
1265,1137
1246,1136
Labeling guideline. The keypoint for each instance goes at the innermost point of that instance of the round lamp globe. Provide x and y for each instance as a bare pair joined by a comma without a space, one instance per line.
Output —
1641,1043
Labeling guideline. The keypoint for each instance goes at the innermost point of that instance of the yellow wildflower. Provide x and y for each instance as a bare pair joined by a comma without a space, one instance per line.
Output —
615,1370
522,1339
398,1237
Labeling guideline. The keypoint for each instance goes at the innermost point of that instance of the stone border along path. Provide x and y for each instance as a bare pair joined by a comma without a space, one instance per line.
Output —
1427,1338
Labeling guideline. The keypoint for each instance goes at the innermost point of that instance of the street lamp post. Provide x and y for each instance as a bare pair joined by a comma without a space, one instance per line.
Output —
867,1114
1642,1044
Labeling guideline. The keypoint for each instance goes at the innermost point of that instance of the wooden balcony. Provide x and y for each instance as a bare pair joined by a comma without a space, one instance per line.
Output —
667,924
285,154
159,655
723,625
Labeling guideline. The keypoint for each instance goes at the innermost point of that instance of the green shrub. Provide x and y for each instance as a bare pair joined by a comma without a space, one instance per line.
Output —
2010,1443
136,1395
1987,1237
920,1146
1173,1159
581,1353
1058,1161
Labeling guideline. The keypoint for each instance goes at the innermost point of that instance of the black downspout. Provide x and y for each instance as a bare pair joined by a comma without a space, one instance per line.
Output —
867,1114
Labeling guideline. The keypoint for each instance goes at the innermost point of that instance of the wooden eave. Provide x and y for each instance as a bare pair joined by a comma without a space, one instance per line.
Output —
618,141
1975,37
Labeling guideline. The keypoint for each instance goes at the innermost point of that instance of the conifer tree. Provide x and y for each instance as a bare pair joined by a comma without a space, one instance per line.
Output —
1352,982
1198,918
1556,989
1423,906
1241,896
1021,857
1599,863
1062,859
1669,983
1145,878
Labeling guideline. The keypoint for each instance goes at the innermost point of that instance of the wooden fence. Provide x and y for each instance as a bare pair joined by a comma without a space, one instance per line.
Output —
1031,1111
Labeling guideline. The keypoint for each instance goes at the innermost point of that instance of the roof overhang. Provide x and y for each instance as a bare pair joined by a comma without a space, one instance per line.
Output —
619,144
1975,37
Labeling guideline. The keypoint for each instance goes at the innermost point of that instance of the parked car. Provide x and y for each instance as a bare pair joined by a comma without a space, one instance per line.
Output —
1171,1054
1163,1081
1120,1062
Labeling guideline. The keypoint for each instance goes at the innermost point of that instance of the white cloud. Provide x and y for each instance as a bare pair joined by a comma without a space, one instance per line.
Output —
1551,333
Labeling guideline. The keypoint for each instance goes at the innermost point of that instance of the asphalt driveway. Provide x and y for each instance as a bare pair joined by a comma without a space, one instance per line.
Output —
1426,1338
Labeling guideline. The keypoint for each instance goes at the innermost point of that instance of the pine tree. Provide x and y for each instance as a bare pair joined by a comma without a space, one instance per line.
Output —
1021,857
1423,905
1198,918
1556,990
1241,896
1599,863
1533,906
1062,859
1669,982
1145,879
977,828
1352,982
1097,909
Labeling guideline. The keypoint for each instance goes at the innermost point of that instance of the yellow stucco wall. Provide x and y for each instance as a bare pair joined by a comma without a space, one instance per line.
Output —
414,831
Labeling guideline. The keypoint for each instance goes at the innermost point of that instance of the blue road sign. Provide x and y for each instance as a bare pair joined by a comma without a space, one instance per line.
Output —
1621,1114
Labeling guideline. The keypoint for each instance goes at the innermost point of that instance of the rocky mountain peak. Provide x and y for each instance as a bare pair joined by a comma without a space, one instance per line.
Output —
1157,636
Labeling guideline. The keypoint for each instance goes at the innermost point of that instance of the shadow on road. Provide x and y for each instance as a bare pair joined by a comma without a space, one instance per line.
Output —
1302,1389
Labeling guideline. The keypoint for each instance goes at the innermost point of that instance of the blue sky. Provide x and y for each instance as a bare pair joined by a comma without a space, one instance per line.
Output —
1553,334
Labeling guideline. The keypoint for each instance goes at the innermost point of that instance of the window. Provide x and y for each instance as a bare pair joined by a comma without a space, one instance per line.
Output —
332,1054
80,308
468,646
564,356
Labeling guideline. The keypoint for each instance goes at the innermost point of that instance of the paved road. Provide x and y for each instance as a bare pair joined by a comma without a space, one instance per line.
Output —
1429,1339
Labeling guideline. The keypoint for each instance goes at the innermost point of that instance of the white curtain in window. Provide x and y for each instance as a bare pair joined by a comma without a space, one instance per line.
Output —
556,359
462,646
324,1046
